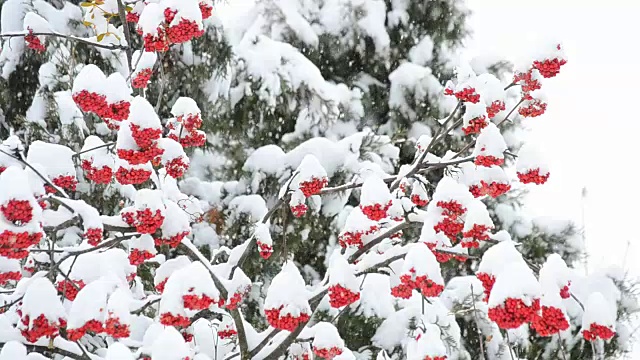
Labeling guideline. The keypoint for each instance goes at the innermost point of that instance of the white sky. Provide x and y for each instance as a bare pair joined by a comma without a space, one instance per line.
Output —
590,129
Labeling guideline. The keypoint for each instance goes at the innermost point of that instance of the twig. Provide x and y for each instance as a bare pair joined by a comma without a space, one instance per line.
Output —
378,240
44,178
68,37
162,80
92,149
127,33
45,350
475,315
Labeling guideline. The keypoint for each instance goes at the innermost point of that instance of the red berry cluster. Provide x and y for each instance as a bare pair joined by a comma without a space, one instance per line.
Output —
142,79
477,233
427,287
534,108
402,291
168,319
160,286
226,333
299,210
551,321
533,176
313,186
265,250
196,302
66,182
488,160
190,122
93,236
91,326
118,111
452,208
419,201
90,101
190,139
40,328
475,125
147,222
67,288
435,358
327,353
422,283
549,67
340,296
173,241
138,157
233,303
376,212
495,107
33,42
145,138
10,253
513,313
156,43
597,331
493,189
206,10
137,256
450,226
564,292
132,176
351,238
19,212
468,94
2,169
176,167
528,84
354,238
184,31
115,328
487,283
18,241
98,176
133,17
10,276
287,322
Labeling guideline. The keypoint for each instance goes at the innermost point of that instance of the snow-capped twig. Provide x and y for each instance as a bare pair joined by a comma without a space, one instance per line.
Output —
475,316
68,37
127,33
377,240
94,148
44,178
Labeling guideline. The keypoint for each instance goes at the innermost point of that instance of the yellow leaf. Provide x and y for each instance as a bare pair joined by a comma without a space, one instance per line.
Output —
86,4
129,8
87,23
101,36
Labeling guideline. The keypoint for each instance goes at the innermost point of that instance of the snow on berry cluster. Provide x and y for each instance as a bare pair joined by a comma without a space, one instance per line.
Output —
286,305
183,127
109,97
168,22
143,70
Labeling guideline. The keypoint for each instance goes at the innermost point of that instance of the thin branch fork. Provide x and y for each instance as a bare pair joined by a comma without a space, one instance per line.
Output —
68,37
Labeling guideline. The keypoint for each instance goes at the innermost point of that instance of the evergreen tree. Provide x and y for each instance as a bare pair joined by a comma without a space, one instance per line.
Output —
358,84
